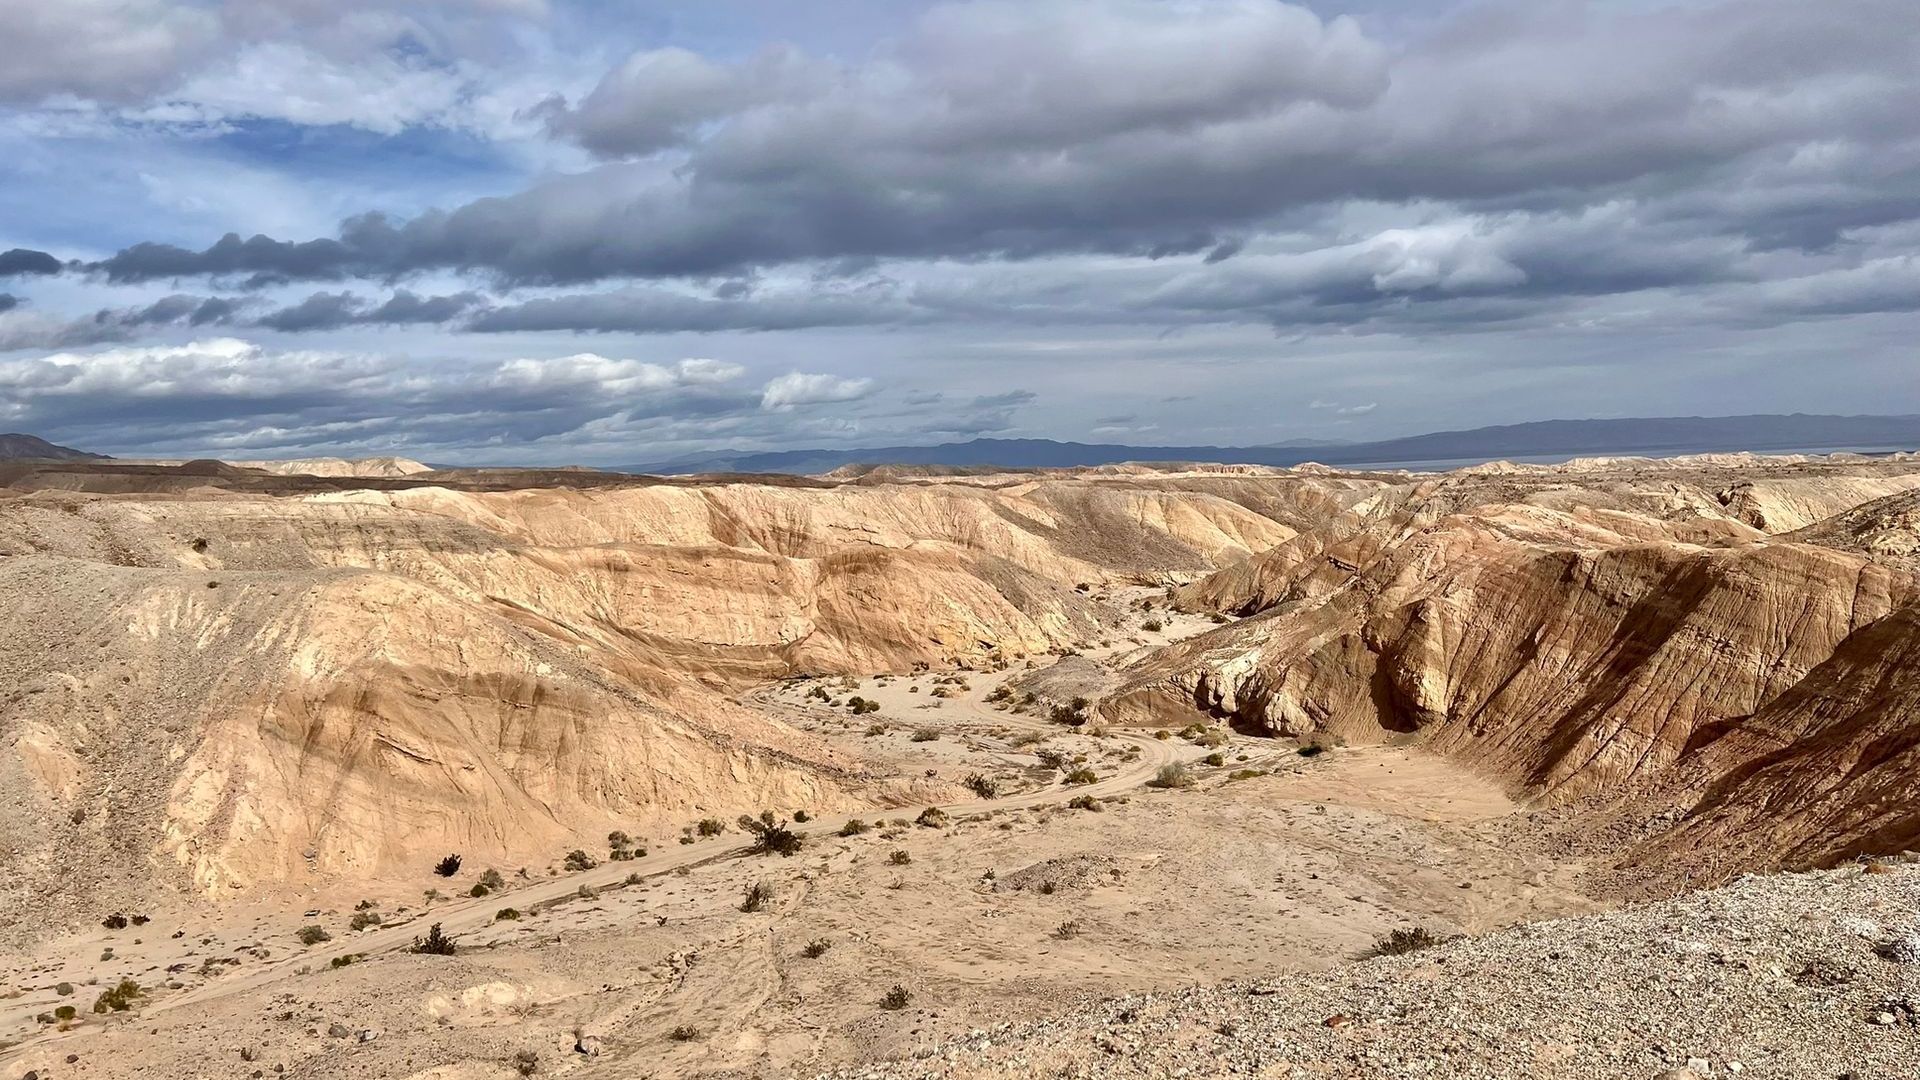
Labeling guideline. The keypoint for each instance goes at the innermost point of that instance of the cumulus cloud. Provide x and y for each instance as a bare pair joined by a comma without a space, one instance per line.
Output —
1019,130
229,395
802,388
23,262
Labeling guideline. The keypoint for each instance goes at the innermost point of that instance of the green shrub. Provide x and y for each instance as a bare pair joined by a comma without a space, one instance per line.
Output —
312,935
578,860
120,998
1404,940
434,944
801,817
65,1013
770,835
712,826
1171,776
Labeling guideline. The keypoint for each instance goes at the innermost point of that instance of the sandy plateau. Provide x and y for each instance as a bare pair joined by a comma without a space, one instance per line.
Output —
1089,770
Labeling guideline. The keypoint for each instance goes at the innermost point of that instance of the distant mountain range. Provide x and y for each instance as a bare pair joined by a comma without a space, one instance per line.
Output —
1655,436
17,447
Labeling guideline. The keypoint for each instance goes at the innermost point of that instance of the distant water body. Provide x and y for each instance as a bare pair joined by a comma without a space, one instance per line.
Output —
1447,464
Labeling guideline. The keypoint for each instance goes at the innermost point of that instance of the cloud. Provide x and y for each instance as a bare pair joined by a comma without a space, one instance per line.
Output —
1050,128
235,397
23,262
799,388
109,50
330,311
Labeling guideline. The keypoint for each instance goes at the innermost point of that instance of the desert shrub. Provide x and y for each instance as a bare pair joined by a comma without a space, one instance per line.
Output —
981,786
478,889
770,835
343,961
1246,774
712,826
1000,693
1171,776
585,892
312,935
1405,940
619,839
819,693
65,1013
1082,775
1215,760
815,949
507,914
435,943
526,1062
492,879
1211,738
448,866
684,1033
1069,715
899,858
756,897
1084,802
801,817
862,706
577,860
364,905
1067,930
363,919
853,828
1152,626
924,735
896,998
115,921
931,818
120,998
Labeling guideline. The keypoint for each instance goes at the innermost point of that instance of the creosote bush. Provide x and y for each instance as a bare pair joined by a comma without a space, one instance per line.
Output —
756,897
120,998
312,935
1404,940
900,858
853,827
982,786
1084,802
448,866
363,919
1171,776
931,818
1082,775
896,998
816,948
507,914
771,836
684,1033
436,943
712,826
578,860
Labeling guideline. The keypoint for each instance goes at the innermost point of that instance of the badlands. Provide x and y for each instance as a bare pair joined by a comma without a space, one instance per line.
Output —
341,769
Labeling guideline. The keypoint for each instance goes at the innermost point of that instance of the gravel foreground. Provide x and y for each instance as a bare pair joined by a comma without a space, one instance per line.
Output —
1805,976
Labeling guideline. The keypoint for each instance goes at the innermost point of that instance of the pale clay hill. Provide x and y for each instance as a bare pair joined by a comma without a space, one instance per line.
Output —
233,697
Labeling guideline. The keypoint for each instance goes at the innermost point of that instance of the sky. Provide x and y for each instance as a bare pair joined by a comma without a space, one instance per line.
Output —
601,232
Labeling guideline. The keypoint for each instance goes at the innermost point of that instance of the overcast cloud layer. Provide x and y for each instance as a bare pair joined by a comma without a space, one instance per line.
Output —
275,227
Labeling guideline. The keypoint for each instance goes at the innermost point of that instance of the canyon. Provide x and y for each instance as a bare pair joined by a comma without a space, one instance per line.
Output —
1104,730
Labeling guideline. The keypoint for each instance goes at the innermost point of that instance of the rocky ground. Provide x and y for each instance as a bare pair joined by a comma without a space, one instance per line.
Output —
1802,976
